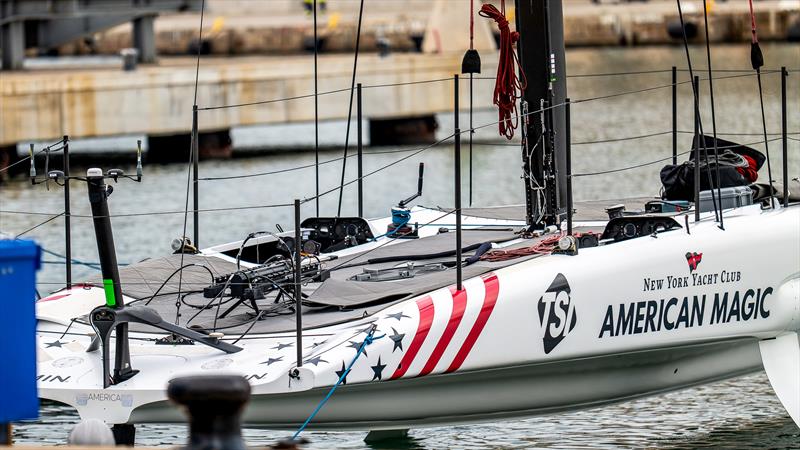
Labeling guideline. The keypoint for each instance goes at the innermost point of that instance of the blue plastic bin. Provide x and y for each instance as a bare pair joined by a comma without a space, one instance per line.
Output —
19,261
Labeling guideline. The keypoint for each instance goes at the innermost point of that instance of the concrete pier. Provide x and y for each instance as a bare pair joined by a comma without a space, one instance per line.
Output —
156,100
236,27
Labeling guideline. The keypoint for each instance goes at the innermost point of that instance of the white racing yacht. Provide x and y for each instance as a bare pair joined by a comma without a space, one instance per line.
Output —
512,311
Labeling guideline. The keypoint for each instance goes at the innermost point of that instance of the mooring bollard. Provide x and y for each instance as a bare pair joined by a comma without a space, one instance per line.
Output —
130,56
214,405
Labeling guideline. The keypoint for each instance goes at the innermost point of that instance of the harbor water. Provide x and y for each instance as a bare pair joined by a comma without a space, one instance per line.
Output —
738,413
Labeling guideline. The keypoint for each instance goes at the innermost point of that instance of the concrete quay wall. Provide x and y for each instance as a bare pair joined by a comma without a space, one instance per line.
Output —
157,99
285,29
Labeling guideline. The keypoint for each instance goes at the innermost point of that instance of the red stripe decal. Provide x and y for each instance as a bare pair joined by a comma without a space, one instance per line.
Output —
459,305
426,311
52,297
492,288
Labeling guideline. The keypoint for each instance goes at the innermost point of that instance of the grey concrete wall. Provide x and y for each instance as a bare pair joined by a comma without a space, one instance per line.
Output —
158,99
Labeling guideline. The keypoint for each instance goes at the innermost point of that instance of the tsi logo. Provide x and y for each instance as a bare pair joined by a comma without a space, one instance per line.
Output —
556,313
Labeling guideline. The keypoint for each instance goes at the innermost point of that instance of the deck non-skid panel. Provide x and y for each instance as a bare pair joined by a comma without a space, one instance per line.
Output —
590,210
143,279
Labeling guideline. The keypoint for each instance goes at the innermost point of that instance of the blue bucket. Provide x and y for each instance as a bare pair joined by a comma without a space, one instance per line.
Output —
19,261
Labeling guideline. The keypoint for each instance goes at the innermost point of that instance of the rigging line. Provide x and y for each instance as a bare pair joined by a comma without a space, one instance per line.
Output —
698,117
612,74
39,225
766,146
731,70
93,265
316,109
603,141
49,148
745,134
627,138
384,167
8,167
199,47
621,169
350,106
664,86
713,117
438,80
345,371
271,172
407,83
639,72
192,156
275,100
433,80
305,166
305,96
757,61
152,213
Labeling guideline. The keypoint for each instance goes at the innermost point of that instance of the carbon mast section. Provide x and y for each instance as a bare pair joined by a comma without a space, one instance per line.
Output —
540,24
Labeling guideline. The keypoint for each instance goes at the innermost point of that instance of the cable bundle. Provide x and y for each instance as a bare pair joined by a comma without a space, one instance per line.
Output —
508,88
542,247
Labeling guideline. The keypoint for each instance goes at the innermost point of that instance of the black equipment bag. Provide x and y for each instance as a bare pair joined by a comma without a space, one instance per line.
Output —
678,180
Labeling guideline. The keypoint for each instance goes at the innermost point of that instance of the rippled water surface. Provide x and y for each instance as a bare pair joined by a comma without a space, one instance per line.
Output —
739,413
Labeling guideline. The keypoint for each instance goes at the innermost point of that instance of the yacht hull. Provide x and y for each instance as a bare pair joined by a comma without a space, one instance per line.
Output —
493,394
550,334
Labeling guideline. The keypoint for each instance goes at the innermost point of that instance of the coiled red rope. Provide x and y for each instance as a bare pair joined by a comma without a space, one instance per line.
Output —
508,88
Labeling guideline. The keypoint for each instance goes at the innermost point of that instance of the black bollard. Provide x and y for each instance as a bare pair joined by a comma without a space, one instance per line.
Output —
214,404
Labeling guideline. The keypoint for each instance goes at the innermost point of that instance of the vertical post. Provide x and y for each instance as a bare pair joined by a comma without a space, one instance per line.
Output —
144,38
457,184
784,138
298,287
12,40
316,109
195,185
696,146
359,144
674,115
98,199
5,434
568,147
471,132
67,218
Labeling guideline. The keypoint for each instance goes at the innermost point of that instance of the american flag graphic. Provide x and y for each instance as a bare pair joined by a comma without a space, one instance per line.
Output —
449,324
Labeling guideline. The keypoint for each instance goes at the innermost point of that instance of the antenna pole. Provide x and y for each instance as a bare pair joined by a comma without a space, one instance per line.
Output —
359,144
298,287
696,149
784,138
195,175
674,116
457,183
67,218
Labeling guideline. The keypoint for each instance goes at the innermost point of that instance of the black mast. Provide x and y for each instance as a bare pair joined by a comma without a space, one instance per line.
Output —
540,24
